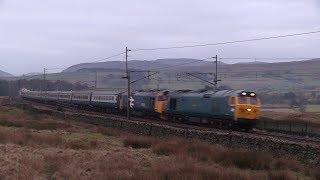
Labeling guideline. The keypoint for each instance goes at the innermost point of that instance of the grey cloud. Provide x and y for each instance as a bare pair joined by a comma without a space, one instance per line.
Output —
60,33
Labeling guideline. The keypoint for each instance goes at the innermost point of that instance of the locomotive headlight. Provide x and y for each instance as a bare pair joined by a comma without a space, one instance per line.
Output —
252,94
249,110
244,93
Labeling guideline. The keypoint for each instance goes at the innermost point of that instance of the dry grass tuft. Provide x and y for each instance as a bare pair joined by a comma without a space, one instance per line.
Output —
31,124
315,173
138,142
26,137
108,131
186,168
81,144
167,147
204,152
281,175
46,125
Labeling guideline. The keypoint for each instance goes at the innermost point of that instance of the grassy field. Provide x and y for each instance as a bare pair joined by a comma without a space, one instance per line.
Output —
312,113
34,146
313,108
287,109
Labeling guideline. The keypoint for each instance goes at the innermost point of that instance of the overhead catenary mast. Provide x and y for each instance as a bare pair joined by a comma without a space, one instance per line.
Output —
44,85
128,84
216,73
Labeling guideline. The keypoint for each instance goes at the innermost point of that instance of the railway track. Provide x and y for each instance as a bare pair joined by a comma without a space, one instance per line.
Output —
73,109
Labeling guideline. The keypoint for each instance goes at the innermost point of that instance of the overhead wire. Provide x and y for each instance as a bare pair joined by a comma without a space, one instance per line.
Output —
227,42
254,58
92,61
110,57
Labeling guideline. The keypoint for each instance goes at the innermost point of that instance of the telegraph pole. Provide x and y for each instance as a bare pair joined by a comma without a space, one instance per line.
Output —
45,85
10,90
96,80
128,84
255,60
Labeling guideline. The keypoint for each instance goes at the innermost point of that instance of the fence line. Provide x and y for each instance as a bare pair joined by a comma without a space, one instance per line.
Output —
291,127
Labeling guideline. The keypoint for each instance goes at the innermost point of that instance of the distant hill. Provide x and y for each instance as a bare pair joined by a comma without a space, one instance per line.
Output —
135,64
183,62
32,74
253,62
4,74
142,65
260,76
310,66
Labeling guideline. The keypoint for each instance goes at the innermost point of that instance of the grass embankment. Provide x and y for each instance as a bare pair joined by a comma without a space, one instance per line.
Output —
34,146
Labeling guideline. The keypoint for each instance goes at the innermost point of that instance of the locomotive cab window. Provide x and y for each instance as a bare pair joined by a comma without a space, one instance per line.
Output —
232,101
162,98
242,100
253,101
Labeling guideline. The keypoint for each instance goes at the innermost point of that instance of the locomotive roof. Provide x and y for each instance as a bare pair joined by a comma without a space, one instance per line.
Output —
146,93
222,93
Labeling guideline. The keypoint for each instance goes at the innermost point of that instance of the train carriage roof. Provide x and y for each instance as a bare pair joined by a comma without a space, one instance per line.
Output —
146,93
106,92
65,92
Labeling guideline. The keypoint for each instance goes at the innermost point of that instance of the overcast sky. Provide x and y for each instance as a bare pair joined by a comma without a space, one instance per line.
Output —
56,33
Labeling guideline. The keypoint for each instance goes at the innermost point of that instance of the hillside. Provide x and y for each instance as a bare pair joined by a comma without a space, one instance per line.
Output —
4,74
135,64
261,77
296,75
138,64
312,65
185,64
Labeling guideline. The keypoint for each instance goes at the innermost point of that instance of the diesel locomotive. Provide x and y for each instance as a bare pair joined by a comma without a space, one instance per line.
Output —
225,108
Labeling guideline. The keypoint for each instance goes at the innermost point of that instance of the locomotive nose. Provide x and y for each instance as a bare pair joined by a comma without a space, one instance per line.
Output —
247,112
